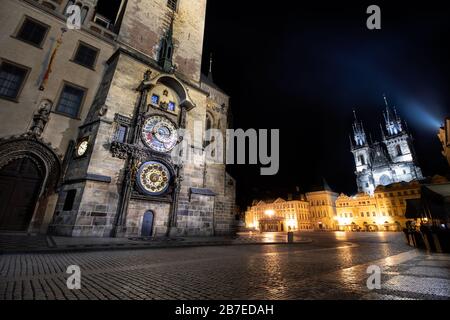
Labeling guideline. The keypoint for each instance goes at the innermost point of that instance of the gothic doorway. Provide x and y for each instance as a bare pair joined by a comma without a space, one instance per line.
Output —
29,172
20,185
147,224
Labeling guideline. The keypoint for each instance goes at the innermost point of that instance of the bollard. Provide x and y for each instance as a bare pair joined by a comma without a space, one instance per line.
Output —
290,237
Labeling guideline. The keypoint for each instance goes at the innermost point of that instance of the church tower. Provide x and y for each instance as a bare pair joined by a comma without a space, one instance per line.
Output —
362,154
396,138
129,180
382,163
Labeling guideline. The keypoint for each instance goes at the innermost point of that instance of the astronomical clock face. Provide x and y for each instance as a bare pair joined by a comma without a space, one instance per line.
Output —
153,178
159,134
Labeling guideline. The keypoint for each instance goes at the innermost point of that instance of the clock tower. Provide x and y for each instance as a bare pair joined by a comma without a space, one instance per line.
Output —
122,179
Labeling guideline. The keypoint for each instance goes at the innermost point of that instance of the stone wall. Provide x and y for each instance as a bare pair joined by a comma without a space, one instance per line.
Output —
145,23
136,210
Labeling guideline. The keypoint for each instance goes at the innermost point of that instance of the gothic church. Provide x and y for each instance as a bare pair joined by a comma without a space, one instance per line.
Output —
389,161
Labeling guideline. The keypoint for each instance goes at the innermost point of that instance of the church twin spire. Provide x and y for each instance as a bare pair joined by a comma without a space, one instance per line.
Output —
359,133
393,126
392,120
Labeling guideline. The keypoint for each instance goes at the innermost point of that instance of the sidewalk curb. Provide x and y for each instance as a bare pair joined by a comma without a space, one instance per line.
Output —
122,247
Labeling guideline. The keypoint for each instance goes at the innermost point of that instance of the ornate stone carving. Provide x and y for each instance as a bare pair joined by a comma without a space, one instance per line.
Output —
40,118
103,110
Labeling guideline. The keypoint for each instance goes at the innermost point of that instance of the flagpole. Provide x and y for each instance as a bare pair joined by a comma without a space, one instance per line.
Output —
52,58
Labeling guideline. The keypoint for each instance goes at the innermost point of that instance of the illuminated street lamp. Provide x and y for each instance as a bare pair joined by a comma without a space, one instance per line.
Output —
269,213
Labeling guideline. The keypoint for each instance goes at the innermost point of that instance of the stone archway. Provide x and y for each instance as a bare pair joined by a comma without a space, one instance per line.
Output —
30,171
20,183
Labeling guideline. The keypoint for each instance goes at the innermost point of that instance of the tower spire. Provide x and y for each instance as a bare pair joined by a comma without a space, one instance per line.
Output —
210,74
359,132
392,120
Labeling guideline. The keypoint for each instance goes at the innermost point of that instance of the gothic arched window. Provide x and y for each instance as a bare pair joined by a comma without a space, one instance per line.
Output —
399,150
209,124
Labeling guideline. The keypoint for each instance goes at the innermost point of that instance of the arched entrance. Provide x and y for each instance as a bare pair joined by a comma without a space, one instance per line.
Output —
147,224
29,173
20,184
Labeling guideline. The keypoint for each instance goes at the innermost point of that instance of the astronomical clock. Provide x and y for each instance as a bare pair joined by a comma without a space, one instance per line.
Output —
159,134
153,178
150,165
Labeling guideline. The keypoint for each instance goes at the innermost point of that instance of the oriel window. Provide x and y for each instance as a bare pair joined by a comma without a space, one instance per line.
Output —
121,133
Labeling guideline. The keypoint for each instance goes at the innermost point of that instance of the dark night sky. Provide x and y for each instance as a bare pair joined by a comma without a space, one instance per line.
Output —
302,68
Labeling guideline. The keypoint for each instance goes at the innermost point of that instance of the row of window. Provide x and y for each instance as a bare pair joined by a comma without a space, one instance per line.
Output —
35,32
319,203
13,75
12,78
367,214
399,193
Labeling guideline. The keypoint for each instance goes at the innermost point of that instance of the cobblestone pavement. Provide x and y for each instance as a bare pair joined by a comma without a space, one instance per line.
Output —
333,266
22,243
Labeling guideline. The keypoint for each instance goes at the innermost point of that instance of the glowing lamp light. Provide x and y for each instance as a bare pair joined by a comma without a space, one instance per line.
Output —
292,223
269,213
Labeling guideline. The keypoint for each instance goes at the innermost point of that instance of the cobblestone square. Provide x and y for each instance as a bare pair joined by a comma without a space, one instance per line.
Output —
333,266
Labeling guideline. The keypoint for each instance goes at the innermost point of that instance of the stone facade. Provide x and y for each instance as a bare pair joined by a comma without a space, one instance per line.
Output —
279,215
322,206
325,210
383,211
100,192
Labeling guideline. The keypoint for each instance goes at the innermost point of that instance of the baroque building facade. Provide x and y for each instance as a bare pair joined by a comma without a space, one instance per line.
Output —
389,161
325,210
315,210
95,114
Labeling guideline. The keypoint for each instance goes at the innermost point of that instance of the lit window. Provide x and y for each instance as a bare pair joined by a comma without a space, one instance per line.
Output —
12,78
171,106
32,32
70,101
155,99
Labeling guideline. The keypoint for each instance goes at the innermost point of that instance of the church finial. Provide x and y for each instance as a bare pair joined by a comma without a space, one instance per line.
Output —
385,101
210,74
393,122
359,132
210,62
